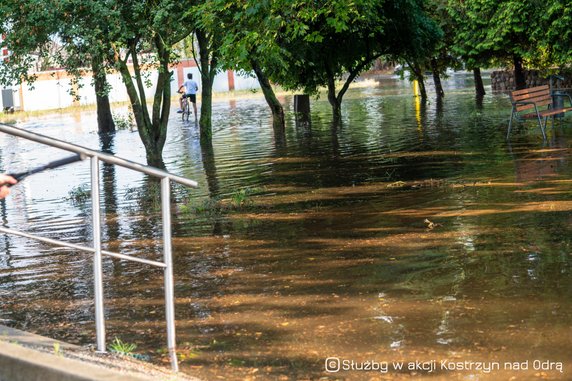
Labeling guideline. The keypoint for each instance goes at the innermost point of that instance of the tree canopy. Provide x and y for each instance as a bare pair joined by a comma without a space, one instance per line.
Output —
329,41
130,37
297,44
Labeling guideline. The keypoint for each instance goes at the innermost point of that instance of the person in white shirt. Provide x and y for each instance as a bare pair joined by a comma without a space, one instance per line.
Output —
191,89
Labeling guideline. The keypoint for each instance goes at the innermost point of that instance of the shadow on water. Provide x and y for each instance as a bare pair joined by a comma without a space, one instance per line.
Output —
411,232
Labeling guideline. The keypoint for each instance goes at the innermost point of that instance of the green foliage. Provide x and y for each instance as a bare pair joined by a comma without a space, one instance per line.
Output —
241,198
306,45
210,208
124,121
107,34
122,348
420,41
557,34
28,28
215,207
493,32
443,56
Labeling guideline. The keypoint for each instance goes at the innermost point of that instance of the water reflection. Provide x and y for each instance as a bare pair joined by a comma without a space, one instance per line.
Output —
331,255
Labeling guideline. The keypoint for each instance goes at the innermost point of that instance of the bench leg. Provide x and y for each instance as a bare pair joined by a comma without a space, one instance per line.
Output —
510,123
540,125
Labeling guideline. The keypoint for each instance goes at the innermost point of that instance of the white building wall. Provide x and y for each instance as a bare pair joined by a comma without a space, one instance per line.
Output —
47,94
245,82
86,92
55,93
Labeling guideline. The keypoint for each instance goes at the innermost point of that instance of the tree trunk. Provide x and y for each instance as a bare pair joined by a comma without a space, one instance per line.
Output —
418,75
209,165
479,87
334,102
278,120
422,88
208,71
519,78
336,99
333,99
105,123
109,181
205,121
437,79
152,129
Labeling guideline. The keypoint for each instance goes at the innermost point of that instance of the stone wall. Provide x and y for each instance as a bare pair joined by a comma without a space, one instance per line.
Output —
503,80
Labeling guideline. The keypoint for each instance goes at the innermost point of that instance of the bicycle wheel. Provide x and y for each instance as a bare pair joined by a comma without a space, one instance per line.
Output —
185,110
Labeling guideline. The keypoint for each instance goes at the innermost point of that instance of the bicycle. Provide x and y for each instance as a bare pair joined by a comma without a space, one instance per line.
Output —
186,108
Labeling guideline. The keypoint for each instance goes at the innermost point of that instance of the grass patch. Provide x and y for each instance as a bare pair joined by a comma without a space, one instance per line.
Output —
80,195
122,348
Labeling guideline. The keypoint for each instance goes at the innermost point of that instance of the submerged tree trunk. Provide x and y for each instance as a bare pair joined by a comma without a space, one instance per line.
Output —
519,78
336,99
105,123
422,88
209,165
479,87
208,65
418,76
437,79
152,128
205,120
109,181
278,120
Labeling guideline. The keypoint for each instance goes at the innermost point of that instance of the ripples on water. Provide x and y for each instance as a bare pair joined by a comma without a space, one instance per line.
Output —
331,254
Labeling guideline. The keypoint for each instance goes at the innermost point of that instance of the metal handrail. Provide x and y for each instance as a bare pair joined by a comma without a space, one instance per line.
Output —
105,157
167,264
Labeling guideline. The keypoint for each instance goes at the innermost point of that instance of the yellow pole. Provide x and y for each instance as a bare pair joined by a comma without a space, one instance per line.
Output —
415,88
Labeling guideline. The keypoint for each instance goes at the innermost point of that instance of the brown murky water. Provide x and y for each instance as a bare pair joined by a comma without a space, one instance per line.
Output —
412,241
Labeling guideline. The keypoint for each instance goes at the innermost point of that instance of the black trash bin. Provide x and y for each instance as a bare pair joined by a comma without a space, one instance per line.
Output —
557,95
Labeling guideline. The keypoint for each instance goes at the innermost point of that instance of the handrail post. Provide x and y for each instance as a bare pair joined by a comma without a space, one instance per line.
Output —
169,282
97,262
167,265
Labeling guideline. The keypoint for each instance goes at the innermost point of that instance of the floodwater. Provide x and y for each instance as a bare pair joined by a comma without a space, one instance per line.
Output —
412,240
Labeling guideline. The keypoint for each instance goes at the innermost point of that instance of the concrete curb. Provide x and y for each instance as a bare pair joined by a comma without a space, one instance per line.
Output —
19,362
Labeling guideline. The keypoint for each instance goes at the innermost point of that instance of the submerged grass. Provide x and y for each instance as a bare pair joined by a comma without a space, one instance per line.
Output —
239,200
79,195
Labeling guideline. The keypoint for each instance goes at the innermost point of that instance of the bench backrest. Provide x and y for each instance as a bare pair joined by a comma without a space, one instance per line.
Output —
539,95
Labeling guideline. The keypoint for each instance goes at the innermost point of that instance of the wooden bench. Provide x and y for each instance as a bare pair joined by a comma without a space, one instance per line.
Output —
535,103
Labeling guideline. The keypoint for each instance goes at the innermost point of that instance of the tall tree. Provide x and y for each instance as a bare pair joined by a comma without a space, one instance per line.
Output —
249,43
33,34
331,41
132,37
135,38
328,40
442,57
208,41
556,34
417,42
498,31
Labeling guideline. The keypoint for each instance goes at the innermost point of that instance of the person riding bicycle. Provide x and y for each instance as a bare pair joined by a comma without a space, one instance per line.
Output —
191,88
